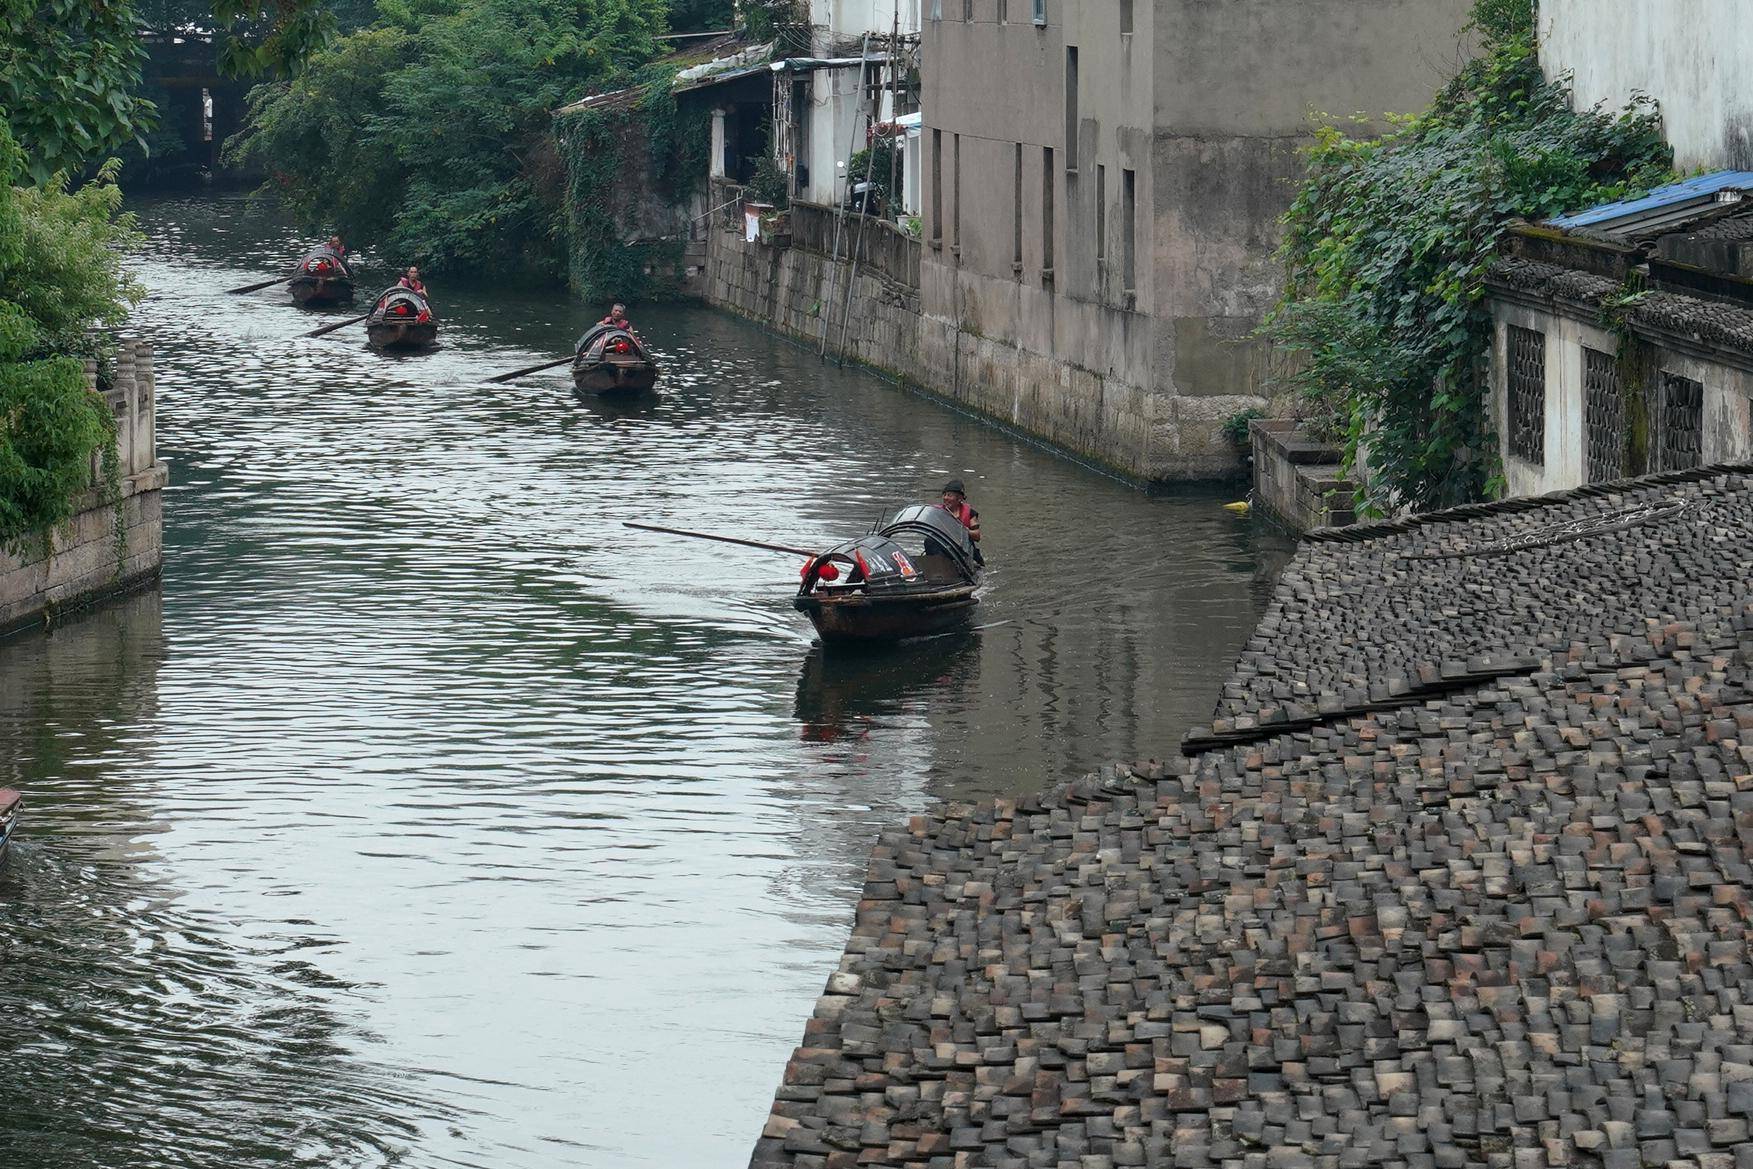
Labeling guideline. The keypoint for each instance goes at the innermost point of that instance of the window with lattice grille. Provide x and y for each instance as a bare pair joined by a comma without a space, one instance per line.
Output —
1603,417
1680,437
1527,394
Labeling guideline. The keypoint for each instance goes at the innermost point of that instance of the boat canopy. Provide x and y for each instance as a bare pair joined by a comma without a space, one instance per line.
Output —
398,302
939,528
322,259
591,344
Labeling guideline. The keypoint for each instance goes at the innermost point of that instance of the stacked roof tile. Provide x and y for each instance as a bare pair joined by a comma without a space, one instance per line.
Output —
1497,918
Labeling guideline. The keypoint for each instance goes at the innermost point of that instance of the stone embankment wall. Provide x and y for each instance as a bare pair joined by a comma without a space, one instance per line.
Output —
792,282
1302,483
795,286
85,561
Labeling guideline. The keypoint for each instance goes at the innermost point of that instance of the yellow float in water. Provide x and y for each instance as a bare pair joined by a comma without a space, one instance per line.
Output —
1240,508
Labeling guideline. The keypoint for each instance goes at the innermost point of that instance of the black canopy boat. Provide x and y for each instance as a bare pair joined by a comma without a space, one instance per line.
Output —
612,360
401,319
321,278
10,805
912,577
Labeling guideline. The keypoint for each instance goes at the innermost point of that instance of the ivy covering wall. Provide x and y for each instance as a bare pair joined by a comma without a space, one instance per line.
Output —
1387,246
614,158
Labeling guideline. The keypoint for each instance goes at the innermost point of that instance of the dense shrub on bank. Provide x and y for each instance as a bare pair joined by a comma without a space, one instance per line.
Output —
1387,245
428,134
61,280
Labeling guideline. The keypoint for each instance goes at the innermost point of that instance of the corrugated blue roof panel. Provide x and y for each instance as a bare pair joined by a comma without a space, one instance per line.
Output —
1658,204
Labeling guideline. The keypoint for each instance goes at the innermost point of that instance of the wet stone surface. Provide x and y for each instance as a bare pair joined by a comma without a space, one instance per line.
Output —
1505,926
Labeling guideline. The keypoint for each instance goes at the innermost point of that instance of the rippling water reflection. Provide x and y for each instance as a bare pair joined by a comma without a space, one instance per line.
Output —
432,818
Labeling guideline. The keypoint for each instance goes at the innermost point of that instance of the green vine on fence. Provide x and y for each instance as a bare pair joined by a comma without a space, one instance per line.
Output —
613,155
1388,242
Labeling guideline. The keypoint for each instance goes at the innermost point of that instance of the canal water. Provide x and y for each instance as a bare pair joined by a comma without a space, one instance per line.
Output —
427,816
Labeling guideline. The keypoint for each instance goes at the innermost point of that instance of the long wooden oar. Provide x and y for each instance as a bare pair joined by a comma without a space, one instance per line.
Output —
259,287
332,328
720,539
516,373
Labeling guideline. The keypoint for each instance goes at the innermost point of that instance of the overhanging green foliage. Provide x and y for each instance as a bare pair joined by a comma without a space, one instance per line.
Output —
60,279
1387,246
428,133
70,69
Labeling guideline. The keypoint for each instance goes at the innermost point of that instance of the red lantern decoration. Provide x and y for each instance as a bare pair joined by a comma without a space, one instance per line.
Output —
828,571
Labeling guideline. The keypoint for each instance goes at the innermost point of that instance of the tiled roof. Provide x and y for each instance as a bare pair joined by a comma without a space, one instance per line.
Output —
1724,326
1375,612
1504,924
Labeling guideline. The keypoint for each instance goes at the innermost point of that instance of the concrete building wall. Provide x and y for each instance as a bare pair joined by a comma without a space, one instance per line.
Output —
1690,55
832,123
848,18
98,552
1206,105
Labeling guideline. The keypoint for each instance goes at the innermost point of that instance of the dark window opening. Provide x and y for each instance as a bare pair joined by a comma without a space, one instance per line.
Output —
937,187
1047,213
1101,213
1603,418
1129,231
1527,395
1126,17
1016,220
956,182
1680,437
1070,109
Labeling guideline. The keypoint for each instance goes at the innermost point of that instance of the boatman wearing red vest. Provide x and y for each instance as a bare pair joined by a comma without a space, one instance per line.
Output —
411,281
955,501
618,318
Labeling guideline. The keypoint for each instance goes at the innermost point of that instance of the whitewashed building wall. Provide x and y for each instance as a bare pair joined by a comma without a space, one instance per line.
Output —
1695,57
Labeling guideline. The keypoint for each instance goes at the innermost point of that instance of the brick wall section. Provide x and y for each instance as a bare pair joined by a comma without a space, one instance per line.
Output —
82,564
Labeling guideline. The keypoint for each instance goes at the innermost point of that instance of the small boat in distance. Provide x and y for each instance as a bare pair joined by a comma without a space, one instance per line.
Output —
401,319
914,576
612,360
11,803
321,278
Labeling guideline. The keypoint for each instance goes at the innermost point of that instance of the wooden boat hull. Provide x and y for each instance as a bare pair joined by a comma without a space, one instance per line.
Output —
309,293
614,377
10,804
862,617
402,335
